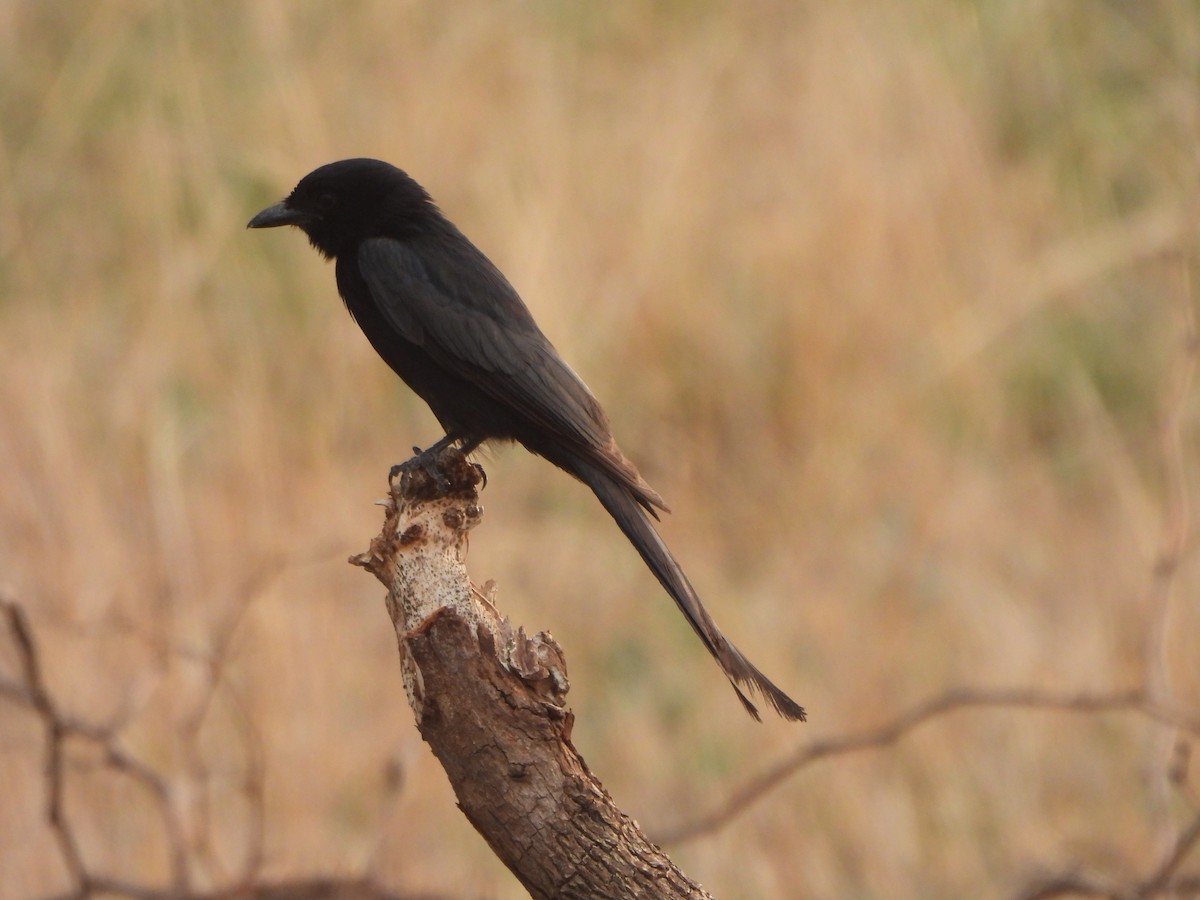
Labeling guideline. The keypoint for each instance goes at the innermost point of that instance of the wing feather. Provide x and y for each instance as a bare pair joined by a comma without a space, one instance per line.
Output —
449,299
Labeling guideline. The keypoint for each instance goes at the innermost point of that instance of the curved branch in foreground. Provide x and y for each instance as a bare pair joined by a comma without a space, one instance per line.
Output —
490,703
1133,701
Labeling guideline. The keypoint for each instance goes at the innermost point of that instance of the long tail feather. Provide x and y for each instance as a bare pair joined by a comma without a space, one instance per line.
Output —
631,517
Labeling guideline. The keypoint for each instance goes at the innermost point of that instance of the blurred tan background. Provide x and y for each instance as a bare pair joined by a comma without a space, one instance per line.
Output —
890,301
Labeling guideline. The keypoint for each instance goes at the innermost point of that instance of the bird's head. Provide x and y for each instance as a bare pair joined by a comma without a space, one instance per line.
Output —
344,203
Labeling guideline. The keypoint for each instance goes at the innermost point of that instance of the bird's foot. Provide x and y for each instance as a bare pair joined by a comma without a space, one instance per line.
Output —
426,462
440,470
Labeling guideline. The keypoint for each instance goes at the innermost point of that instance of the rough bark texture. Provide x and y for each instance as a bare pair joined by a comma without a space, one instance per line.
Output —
490,702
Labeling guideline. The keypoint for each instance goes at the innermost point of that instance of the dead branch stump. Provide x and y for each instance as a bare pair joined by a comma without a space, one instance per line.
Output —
490,702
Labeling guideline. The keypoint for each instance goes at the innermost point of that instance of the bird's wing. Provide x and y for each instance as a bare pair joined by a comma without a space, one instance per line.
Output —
449,299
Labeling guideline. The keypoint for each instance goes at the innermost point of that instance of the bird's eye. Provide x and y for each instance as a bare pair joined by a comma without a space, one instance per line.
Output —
326,201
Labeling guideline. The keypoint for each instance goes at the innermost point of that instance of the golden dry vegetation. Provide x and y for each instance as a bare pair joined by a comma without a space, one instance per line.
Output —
892,302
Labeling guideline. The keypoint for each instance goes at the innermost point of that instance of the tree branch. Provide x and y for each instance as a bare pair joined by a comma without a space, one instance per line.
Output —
59,728
490,703
1134,701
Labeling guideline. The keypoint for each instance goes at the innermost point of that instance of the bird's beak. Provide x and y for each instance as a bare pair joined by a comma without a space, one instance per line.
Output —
279,214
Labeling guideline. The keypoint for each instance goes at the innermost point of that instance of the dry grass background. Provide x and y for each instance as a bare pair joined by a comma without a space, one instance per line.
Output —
889,300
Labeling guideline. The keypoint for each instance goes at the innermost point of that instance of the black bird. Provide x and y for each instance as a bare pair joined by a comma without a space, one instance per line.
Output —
451,326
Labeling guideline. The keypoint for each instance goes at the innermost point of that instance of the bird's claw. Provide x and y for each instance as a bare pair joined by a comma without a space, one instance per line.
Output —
423,461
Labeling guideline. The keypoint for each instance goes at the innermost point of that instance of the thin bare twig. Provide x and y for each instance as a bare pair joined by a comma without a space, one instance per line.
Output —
214,663
59,729
1177,511
1134,701
1176,519
55,735
1071,886
1161,879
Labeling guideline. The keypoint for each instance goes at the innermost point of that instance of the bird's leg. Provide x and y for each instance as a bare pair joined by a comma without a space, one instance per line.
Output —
435,450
